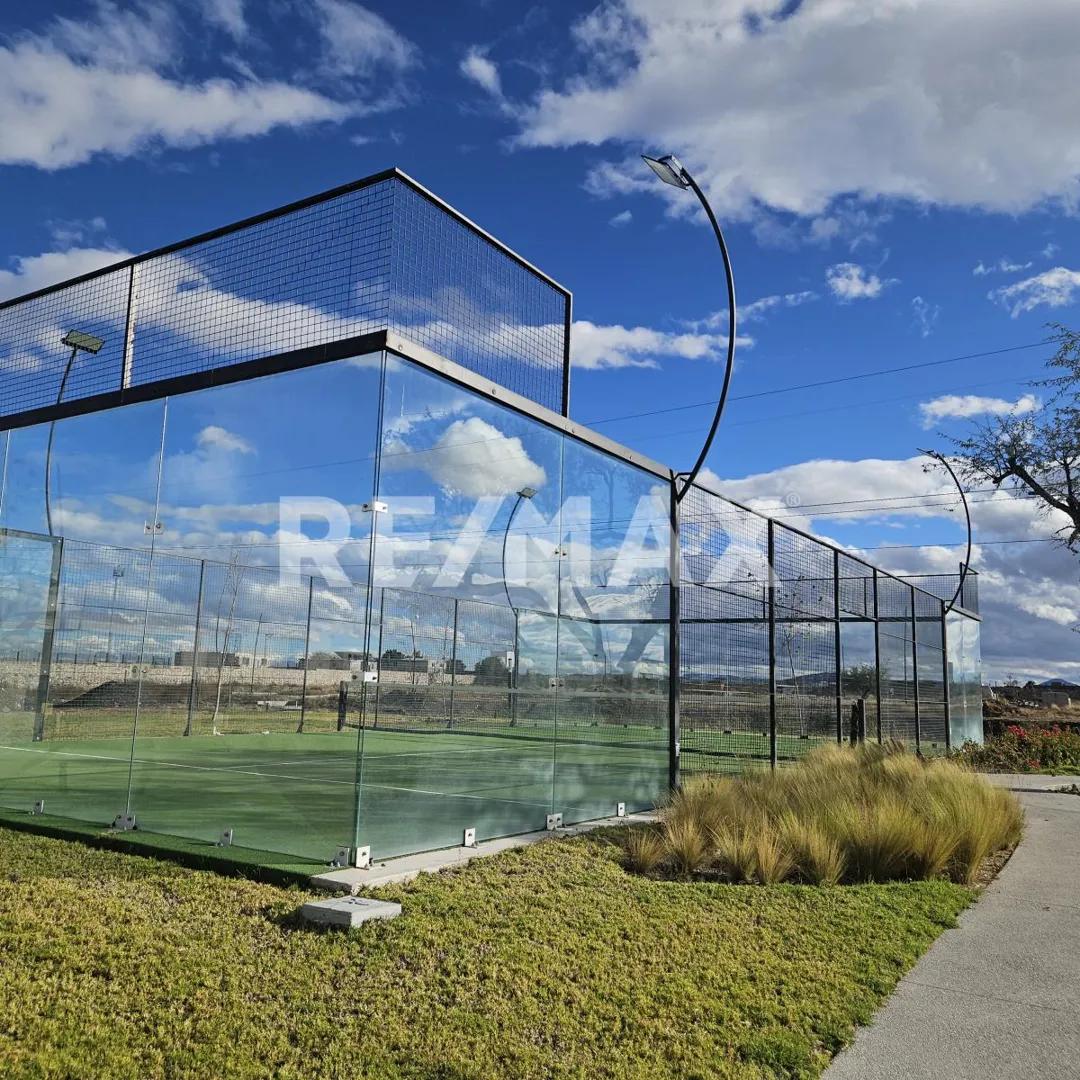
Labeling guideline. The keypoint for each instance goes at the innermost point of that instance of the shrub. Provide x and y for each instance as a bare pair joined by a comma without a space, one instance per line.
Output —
1024,749
868,814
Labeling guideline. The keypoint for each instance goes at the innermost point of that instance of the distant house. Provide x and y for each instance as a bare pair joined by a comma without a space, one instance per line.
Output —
186,657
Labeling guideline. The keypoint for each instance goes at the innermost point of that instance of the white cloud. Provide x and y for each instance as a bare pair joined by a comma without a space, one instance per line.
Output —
926,314
1051,288
624,217
1030,592
358,42
113,84
593,347
1003,266
227,15
850,281
471,458
32,272
964,406
478,68
894,99
1050,250
758,309
217,438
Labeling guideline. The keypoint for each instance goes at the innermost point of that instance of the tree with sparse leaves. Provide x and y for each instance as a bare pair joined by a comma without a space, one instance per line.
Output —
1036,455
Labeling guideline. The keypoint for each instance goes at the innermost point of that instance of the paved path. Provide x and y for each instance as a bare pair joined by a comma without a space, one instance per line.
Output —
999,997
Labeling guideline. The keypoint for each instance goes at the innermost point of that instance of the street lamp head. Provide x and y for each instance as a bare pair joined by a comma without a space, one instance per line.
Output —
527,492
669,169
76,339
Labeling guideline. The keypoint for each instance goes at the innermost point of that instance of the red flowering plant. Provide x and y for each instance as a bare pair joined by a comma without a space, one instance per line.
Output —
1027,749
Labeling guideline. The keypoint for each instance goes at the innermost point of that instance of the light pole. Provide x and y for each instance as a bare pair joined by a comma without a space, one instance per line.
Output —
117,573
523,494
943,461
673,172
75,340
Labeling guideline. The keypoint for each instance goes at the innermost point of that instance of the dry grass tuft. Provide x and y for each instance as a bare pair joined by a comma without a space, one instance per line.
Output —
868,814
645,849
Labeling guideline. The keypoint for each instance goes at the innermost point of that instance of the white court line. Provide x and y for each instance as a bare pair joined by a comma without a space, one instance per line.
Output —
269,776
319,758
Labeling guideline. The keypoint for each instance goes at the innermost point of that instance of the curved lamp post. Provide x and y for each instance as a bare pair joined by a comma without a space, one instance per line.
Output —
76,340
522,495
943,461
673,172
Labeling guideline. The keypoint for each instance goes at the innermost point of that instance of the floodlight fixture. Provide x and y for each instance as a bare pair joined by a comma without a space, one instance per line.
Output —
77,339
943,461
526,493
669,169
673,172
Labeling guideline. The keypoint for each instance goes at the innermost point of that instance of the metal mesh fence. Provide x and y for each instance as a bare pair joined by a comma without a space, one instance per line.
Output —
785,641
944,587
724,634
453,291
377,255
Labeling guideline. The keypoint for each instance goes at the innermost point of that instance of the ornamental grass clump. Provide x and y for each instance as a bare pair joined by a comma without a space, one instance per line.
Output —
842,815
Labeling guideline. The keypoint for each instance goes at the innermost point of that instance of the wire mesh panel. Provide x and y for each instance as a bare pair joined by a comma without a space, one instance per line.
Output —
33,356
724,635
945,587
492,691
930,662
805,643
97,647
314,276
247,662
896,659
455,292
377,255
342,645
855,588
416,662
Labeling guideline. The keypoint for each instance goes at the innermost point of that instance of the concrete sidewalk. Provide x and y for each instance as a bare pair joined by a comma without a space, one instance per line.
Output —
998,997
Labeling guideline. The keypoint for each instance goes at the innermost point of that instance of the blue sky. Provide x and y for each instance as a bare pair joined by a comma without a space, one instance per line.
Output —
898,184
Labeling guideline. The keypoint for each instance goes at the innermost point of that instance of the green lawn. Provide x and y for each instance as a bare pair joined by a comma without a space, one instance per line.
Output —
547,961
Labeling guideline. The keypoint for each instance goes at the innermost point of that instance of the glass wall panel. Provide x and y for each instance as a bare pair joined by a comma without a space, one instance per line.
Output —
965,679
929,630
257,612
103,471
466,558
29,570
612,724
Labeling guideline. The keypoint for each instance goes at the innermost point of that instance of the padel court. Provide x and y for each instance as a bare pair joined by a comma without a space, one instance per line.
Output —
311,794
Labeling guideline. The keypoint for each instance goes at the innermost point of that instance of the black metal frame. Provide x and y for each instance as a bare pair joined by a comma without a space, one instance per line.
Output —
249,369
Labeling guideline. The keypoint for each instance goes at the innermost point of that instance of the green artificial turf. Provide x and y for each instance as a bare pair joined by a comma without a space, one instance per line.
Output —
296,793
545,961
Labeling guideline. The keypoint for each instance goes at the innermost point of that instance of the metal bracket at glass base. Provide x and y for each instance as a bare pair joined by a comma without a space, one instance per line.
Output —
554,821
342,858
469,839
620,809
226,839
39,807
124,823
